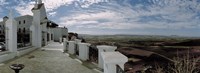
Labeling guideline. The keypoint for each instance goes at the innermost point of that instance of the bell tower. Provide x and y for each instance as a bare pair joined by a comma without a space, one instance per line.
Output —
39,14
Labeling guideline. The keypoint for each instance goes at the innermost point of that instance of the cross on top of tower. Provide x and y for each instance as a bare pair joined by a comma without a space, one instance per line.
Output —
39,1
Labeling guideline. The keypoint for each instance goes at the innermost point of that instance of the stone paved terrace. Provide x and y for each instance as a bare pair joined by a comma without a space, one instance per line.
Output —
50,60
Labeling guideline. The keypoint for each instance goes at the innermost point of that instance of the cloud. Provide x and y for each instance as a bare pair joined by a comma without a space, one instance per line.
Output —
3,2
1,19
87,3
107,20
52,13
54,4
1,9
158,14
25,8
121,14
87,18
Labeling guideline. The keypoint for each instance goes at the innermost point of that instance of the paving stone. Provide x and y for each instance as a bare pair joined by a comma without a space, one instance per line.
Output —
50,60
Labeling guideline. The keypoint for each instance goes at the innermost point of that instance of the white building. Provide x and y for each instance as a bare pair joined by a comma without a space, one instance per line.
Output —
24,23
38,27
63,33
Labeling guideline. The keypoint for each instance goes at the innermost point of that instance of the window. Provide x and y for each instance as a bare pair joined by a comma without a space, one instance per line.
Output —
24,21
19,30
24,30
19,22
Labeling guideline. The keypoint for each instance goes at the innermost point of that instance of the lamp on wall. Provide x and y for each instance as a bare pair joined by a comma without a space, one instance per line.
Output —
50,23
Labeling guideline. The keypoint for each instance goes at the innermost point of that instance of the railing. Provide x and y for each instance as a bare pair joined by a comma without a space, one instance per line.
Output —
23,40
119,69
22,45
76,49
93,54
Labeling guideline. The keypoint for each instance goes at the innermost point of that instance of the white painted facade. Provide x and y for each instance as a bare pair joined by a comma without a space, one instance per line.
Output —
24,22
21,22
39,14
38,25
35,24
63,32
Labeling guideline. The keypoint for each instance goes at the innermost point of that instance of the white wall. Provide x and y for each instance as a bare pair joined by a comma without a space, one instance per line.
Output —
26,51
7,56
56,34
59,32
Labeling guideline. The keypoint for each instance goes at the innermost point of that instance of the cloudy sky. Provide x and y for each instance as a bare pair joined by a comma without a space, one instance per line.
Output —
143,17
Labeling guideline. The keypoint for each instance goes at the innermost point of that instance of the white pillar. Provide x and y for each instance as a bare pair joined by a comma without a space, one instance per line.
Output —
38,15
65,45
30,36
50,37
111,59
60,40
49,32
45,38
11,34
36,33
71,47
104,48
84,51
